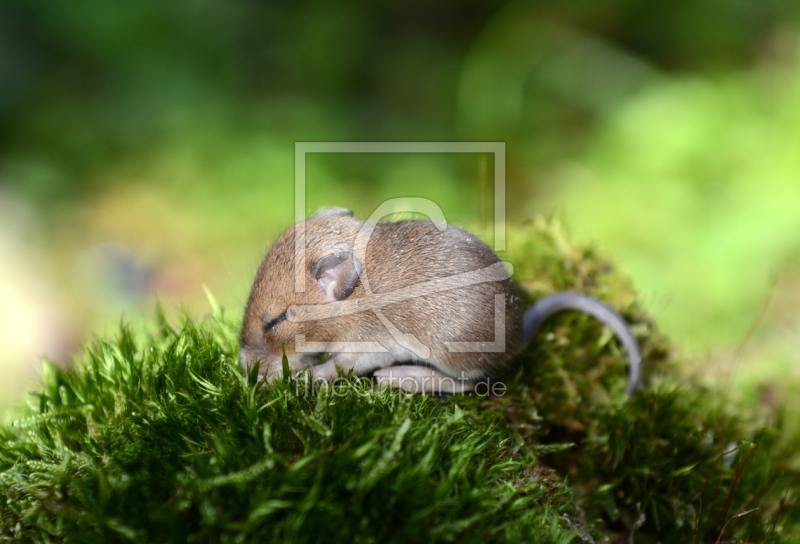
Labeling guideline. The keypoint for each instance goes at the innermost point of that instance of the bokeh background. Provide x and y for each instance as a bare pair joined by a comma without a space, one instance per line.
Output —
147,149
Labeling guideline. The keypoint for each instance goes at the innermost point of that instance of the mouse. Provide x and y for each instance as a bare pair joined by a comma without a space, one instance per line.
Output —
418,304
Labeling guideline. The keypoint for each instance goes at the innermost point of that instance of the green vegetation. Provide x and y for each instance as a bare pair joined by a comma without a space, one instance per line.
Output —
666,134
159,437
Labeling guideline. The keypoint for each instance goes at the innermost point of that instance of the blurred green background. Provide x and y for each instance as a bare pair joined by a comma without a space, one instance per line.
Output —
147,148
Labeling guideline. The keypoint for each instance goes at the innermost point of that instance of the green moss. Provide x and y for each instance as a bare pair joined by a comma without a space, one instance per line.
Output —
160,437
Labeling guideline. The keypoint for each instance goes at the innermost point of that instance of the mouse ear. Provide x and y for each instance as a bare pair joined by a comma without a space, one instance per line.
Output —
332,212
336,275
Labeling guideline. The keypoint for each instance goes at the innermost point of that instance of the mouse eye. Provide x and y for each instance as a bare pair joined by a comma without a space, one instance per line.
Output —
272,323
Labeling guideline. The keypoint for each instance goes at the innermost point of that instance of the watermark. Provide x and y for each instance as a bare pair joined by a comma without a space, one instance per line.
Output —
375,302
434,383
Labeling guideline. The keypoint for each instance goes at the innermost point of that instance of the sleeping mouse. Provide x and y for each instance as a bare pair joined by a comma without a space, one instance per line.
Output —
418,304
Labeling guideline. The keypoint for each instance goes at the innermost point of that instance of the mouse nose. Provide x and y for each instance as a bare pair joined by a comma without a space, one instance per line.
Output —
249,356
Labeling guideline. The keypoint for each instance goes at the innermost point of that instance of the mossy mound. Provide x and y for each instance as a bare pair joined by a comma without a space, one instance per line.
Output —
160,437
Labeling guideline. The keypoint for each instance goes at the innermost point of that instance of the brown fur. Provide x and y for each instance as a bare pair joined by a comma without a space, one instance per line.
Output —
398,255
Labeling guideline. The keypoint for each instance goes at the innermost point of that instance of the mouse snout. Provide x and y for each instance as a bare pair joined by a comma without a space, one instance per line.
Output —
267,358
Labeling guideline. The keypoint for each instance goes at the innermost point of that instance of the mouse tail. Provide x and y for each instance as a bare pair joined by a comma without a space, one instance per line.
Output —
559,302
